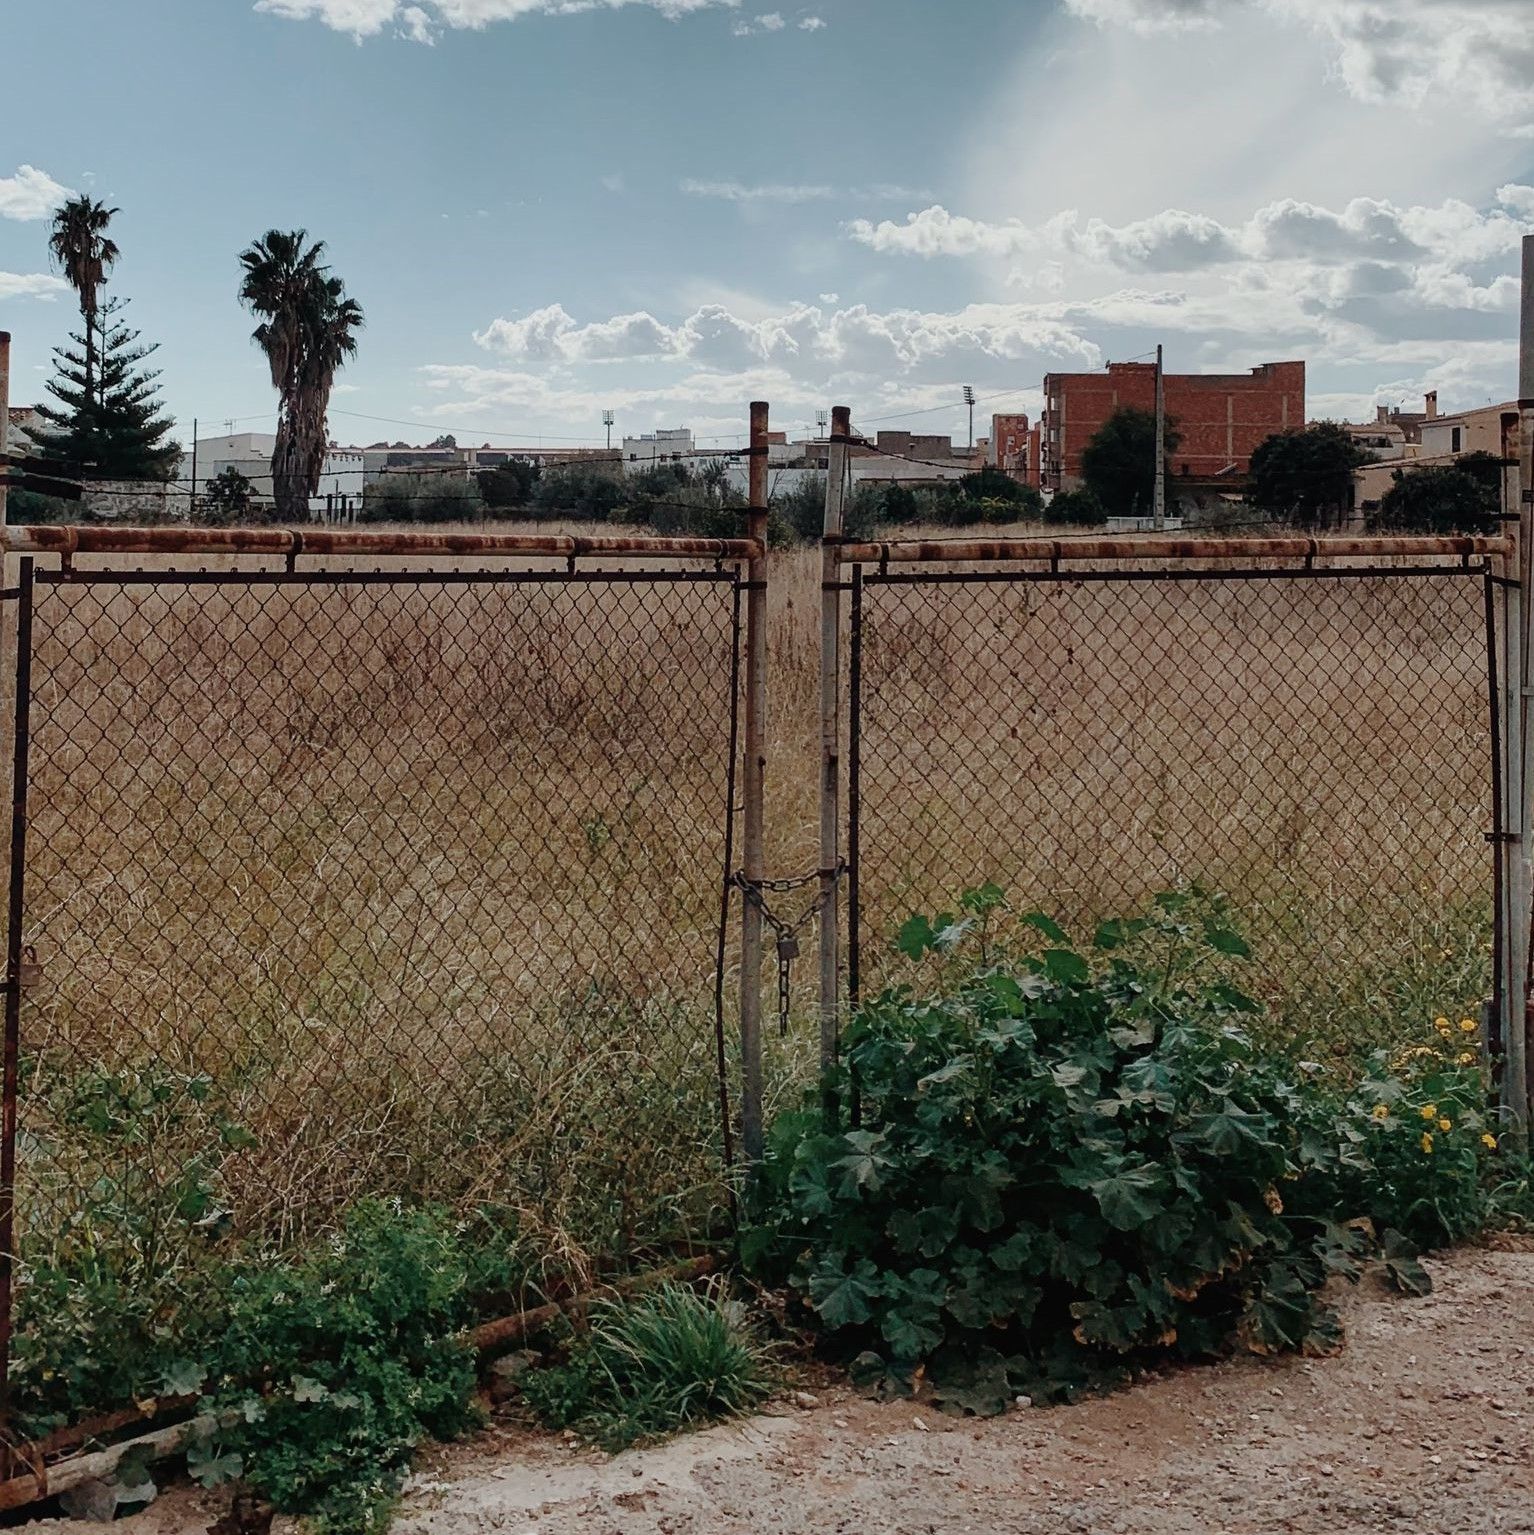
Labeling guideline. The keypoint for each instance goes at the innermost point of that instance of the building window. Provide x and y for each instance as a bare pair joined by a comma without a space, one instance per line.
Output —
1456,434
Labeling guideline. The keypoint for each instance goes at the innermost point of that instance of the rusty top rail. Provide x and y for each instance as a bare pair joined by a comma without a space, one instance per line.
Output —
1053,550
43,539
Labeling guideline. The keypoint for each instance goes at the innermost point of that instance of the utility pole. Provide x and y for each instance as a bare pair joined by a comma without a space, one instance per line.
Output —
1158,495
607,421
969,400
192,502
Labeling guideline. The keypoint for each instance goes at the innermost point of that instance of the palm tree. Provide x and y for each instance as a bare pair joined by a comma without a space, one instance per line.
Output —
308,329
81,250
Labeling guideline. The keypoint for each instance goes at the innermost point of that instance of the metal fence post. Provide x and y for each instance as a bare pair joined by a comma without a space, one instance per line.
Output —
11,1076
753,784
830,748
1520,780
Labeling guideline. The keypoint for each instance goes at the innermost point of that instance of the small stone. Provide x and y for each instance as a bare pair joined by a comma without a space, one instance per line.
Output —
919,1424
1023,1401
805,1400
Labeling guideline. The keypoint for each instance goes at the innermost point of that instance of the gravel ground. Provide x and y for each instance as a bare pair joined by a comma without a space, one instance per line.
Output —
1424,1423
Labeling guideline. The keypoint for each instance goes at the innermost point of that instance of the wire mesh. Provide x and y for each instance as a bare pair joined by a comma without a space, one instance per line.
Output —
1317,746
355,885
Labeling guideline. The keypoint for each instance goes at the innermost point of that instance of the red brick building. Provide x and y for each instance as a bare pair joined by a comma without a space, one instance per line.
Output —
1222,416
1009,445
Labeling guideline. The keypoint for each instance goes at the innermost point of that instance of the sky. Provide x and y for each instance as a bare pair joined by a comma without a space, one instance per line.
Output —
667,208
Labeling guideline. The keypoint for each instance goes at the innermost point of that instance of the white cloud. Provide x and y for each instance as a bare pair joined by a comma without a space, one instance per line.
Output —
854,339
31,285
812,24
1474,55
1451,236
1149,15
739,192
415,24
30,194
369,18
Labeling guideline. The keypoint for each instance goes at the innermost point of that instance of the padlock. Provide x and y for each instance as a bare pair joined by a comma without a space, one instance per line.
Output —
30,971
788,947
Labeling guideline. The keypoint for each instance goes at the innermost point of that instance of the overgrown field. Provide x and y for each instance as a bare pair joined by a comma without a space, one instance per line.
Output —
347,890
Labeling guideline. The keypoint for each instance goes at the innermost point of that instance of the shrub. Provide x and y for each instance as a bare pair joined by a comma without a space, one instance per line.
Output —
1069,1163
652,1366
1075,508
421,498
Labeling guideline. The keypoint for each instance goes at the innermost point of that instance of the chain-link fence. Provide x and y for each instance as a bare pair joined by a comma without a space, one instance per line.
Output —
1315,744
347,884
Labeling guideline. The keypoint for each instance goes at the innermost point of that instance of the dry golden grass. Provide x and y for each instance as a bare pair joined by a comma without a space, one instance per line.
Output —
415,888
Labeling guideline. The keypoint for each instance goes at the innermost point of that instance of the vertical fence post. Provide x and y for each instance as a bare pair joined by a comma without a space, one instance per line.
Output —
1520,780
14,913
753,785
830,748
8,656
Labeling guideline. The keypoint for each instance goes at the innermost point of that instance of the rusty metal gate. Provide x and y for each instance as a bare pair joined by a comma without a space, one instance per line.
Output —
330,881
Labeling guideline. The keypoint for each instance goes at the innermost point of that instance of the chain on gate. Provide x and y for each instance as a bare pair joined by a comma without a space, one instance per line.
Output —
787,932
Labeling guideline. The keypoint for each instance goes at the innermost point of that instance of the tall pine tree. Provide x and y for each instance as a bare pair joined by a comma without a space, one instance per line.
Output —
107,424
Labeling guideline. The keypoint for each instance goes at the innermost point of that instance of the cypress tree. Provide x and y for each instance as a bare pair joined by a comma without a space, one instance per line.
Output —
108,422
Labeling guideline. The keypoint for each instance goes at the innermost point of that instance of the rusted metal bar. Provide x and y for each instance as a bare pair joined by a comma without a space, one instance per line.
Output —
753,783
855,814
284,542
982,551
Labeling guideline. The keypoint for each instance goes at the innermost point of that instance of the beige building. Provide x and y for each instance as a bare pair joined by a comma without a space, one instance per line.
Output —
1442,439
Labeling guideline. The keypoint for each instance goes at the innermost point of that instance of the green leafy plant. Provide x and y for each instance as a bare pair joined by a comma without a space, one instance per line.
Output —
1072,1162
652,1366
331,1369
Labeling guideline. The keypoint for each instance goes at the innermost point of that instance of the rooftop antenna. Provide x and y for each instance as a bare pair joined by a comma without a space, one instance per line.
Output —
822,421
607,421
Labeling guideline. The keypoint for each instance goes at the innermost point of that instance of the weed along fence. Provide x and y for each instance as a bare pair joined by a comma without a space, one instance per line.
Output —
349,865
1308,728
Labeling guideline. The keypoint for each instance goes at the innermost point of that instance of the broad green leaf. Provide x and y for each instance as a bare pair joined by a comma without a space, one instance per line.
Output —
971,1383
1225,940
984,898
916,937
842,1299
183,1378
1046,925
1114,934
1128,1198
1065,967
307,1389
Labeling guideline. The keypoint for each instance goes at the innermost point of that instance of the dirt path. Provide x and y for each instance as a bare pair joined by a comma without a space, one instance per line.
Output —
1425,1424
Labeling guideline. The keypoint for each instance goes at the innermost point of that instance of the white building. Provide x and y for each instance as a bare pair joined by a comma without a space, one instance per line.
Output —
660,447
338,498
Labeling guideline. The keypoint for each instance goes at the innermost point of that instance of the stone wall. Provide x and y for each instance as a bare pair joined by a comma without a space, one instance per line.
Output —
135,501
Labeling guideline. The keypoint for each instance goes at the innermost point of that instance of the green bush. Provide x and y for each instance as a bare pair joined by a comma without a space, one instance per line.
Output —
1075,508
1069,1163
652,1366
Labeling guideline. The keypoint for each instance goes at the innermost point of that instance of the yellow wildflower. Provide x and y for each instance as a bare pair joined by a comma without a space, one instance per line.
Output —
1465,1058
1430,1111
1440,1023
1445,1125
1380,1111
1443,1027
1427,1142
1468,1025
1489,1142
